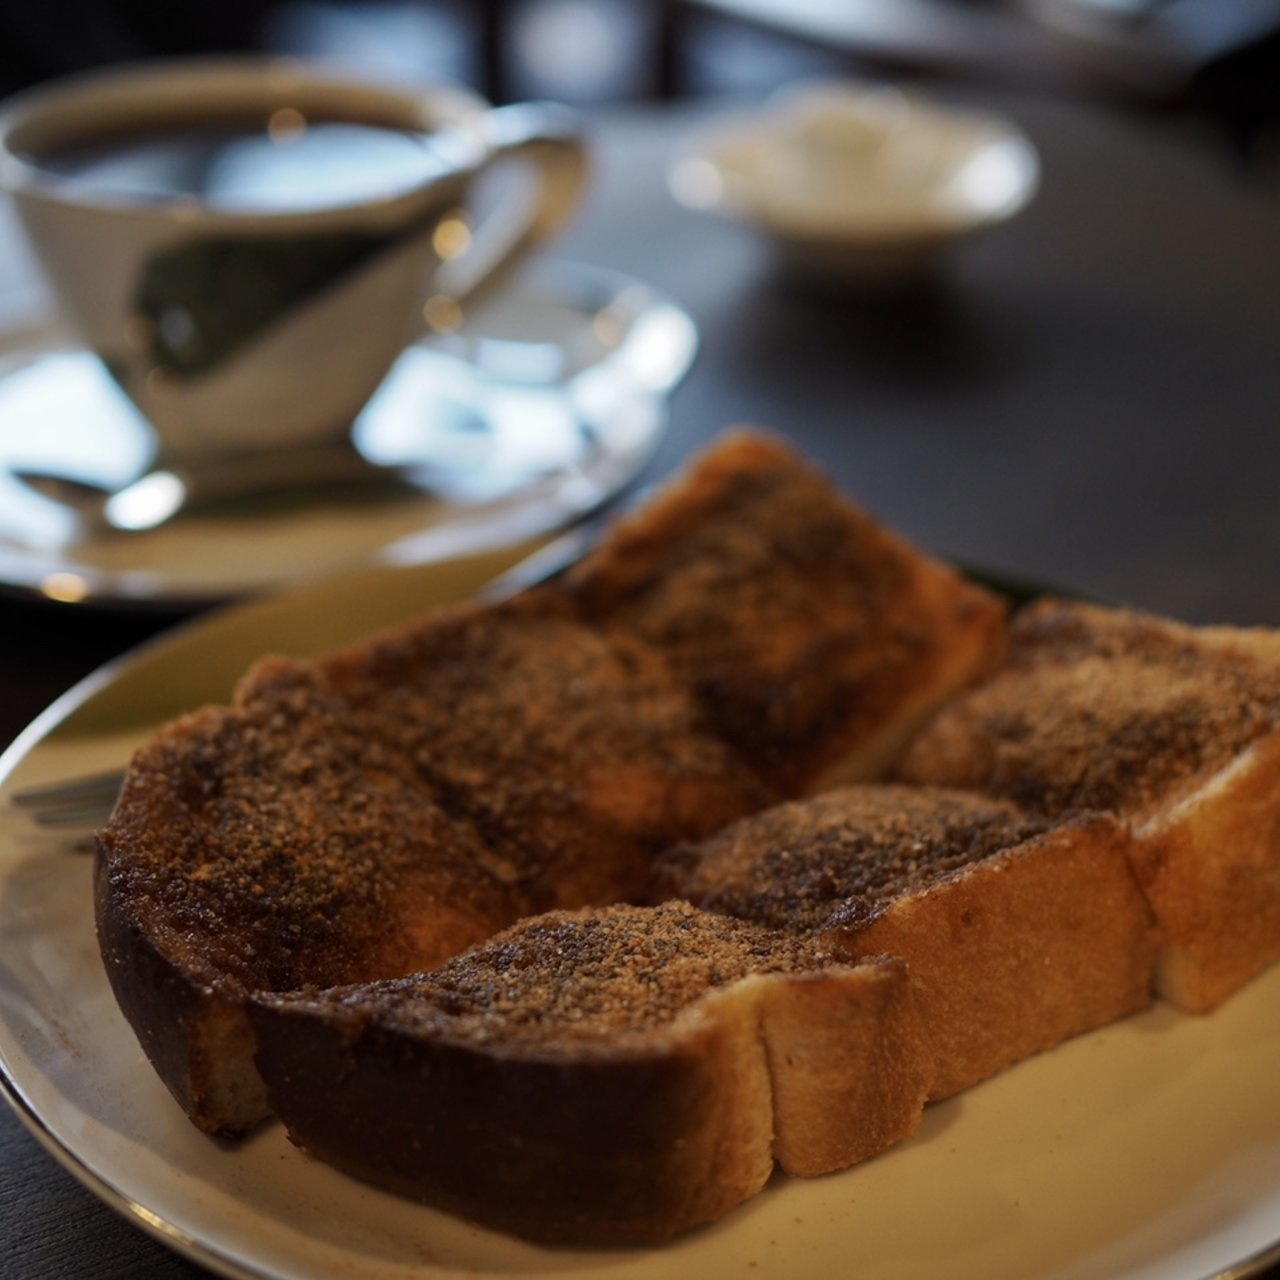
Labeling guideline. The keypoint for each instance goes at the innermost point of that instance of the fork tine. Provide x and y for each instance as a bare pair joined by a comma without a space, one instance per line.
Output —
86,815
52,801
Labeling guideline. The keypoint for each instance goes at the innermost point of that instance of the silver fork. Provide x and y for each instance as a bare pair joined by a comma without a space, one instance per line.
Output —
71,803
85,803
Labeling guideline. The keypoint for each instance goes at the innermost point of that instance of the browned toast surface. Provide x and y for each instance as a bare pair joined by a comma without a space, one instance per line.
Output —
576,756
1104,709
601,977
275,846
802,864
815,640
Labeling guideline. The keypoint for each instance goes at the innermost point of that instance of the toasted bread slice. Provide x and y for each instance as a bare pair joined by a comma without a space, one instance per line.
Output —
815,640
1174,728
610,1076
1017,933
576,755
374,813
263,850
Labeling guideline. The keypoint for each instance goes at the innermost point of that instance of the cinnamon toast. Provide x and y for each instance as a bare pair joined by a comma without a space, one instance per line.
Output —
576,755
376,812
324,902
612,1075
1174,728
815,640
1017,932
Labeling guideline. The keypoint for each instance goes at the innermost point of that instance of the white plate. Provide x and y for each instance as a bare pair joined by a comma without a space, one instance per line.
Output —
1149,1150
548,400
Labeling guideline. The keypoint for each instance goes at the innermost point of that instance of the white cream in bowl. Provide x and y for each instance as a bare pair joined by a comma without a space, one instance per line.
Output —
866,182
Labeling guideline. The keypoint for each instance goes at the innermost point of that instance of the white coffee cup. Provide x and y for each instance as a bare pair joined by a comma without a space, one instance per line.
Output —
242,329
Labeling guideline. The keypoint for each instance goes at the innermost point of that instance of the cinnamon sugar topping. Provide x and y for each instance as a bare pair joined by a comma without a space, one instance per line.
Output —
847,852
568,978
1104,709
798,620
278,846
576,755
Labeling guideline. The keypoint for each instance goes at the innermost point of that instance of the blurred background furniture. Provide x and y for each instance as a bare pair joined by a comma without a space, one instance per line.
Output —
1212,61
1219,59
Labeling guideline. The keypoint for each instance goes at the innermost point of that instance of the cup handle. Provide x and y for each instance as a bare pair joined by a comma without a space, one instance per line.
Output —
547,138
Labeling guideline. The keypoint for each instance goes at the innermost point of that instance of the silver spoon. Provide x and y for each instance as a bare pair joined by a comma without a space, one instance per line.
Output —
164,491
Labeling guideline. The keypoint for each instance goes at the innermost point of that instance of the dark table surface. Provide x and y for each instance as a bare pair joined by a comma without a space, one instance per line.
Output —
1087,397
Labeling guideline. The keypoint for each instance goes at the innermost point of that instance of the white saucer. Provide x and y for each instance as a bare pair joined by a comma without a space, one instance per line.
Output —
548,401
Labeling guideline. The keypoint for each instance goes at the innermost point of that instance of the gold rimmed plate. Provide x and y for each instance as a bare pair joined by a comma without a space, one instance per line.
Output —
1148,1150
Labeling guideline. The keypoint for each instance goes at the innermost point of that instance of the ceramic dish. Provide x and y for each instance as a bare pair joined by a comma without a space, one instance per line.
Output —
548,401
859,183
1149,1150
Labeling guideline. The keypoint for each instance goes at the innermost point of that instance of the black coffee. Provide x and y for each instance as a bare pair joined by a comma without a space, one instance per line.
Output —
283,163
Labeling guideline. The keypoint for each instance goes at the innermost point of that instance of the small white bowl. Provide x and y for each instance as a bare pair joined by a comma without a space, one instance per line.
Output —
861,183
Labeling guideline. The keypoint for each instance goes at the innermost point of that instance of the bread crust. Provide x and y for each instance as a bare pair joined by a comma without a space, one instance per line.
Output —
195,1036
1210,866
603,1148
1018,952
